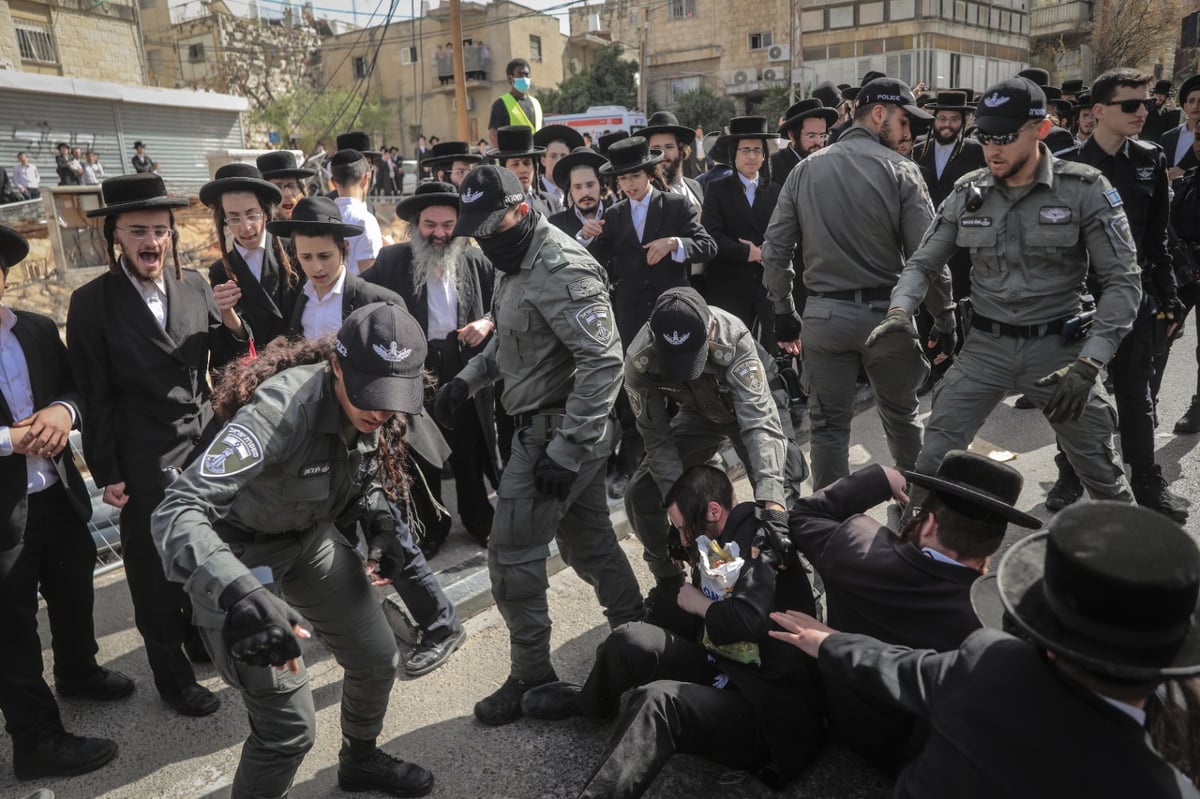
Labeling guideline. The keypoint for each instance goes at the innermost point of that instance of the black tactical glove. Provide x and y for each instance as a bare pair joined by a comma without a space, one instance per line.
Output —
1072,387
787,326
449,399
772,539
385,546
258,624
941,342
552,479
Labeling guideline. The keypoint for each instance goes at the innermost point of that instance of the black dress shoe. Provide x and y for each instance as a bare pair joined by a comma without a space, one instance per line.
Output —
100,685
195,700
552,702
428,655
60,754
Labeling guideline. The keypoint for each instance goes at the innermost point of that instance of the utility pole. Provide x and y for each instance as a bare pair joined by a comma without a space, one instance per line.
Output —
642,62
792,48
460,69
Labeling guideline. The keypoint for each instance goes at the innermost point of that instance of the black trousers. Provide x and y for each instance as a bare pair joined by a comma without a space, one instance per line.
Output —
631,448
674,708
162,611
56,555
1190,295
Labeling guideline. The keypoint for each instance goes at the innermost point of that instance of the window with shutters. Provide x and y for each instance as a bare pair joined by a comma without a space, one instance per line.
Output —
408,55
682,9
36,42
535,48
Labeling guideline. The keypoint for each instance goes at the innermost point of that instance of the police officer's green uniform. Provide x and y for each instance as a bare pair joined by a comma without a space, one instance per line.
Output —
1030,251
266,496
855,209
558,352
731,401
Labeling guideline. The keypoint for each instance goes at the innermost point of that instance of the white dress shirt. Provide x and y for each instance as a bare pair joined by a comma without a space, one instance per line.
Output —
18,393
551,189
1186,139
681,188
26,177
442,299
153,292
366,246
749,186
253,259
941,156
323,316
640,210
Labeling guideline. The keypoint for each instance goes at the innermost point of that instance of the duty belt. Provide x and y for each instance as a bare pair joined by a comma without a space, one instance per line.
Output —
877,294
1017,331
542,423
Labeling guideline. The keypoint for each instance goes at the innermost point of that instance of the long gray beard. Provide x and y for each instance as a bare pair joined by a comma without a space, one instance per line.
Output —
429,261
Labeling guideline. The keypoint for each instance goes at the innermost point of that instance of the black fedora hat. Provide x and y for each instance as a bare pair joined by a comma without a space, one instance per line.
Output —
239,177
666,122
850,93
580,156
1061,143
447,152
978,487
430,193
137,192
1052,92
970,93
870,76
745,128
949,101
1065,108
1036,74
1190,85
630,155
281,164
1164,87
357,140
1109,586
806,109
829,94
1073,86
13,247
319,214
514,141
609,139
563,133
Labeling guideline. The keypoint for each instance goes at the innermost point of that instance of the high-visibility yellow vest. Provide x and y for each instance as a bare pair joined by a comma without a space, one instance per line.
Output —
516,114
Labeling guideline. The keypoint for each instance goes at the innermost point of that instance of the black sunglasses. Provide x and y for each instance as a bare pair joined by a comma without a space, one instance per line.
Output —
1131,106
1001,138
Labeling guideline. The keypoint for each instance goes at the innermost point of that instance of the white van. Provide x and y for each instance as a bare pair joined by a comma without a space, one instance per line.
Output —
600,119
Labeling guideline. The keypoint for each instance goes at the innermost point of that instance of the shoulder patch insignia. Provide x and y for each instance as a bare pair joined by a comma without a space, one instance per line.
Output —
1114,198
552,256
749,373
1145,173
635,400
1120,226
234,450
585,287
596,320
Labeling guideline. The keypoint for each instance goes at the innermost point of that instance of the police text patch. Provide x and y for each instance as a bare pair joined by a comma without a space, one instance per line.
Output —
749,373
975,221
314,469
1054,215
1114,198
235,450
596,320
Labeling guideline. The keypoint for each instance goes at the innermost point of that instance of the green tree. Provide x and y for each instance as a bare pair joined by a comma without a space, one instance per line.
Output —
308,118
773,105
609,81
704,108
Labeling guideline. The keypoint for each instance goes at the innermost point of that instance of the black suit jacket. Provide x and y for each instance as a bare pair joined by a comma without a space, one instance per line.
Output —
146,390
967,156
356,293
782,164
1005,722
1169,141
51,381
263,304
621,253
728,217
1158,122
567,221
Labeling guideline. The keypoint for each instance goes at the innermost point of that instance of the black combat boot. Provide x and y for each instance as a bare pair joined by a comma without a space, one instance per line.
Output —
1190,421
1150,490
362,766
1067,489
504,706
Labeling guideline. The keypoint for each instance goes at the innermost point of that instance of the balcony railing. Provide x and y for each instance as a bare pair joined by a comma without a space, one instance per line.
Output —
1060,18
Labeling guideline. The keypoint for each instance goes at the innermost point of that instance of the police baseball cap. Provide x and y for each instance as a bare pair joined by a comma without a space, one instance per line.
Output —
486,194
679,324
893,92
381,350
1008,105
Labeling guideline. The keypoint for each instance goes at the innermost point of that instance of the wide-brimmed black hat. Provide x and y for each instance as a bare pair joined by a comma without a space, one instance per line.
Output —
1164,87
829,94
970,93
630,155
949,101
239,177
381,351
745,128
679,323
609,139
13,247
357,140
850,93
871,75
714,150
1082,101
137,192
666,122
978,487
1073,86
1052,92
486,193
563,133
447,152
315,213
810,108
1036,74
580,156
281,164
1109,586
1064,107
1190,85
431,193
136,145
1061,143
514,141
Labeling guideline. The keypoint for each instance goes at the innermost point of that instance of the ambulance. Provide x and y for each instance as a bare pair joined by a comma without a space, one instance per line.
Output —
600,119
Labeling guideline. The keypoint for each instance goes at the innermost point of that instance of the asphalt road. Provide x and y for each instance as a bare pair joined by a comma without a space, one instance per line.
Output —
430,721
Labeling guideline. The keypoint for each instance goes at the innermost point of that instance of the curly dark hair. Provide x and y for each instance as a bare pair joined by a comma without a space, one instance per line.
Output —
237,382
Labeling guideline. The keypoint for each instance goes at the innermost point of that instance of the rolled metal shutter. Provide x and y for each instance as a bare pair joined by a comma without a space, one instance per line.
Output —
179,140
34,123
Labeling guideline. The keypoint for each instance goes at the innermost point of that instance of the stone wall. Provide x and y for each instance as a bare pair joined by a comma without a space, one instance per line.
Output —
98,47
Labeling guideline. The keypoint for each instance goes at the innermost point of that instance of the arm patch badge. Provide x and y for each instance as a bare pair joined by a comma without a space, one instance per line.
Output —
234,450
597,322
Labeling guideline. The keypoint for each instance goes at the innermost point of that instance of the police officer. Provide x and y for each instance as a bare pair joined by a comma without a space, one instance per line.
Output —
1138,171
557,349
705,360
855,210
250,529
1032,223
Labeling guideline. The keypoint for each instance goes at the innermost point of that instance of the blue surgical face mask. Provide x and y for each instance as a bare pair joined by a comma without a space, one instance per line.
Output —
522,84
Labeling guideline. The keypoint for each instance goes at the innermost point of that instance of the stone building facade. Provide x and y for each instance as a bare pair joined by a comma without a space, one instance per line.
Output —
73,38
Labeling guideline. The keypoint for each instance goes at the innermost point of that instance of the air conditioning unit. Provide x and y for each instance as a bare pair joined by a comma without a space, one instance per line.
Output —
772,74
741,76
779,52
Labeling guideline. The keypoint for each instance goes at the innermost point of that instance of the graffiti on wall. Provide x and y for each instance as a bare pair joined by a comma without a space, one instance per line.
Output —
39,138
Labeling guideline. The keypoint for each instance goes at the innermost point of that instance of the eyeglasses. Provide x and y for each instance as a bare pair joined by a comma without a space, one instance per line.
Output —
815,136
140,232
290,188
1001,138
750,152
1131,106
252,218
946,120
